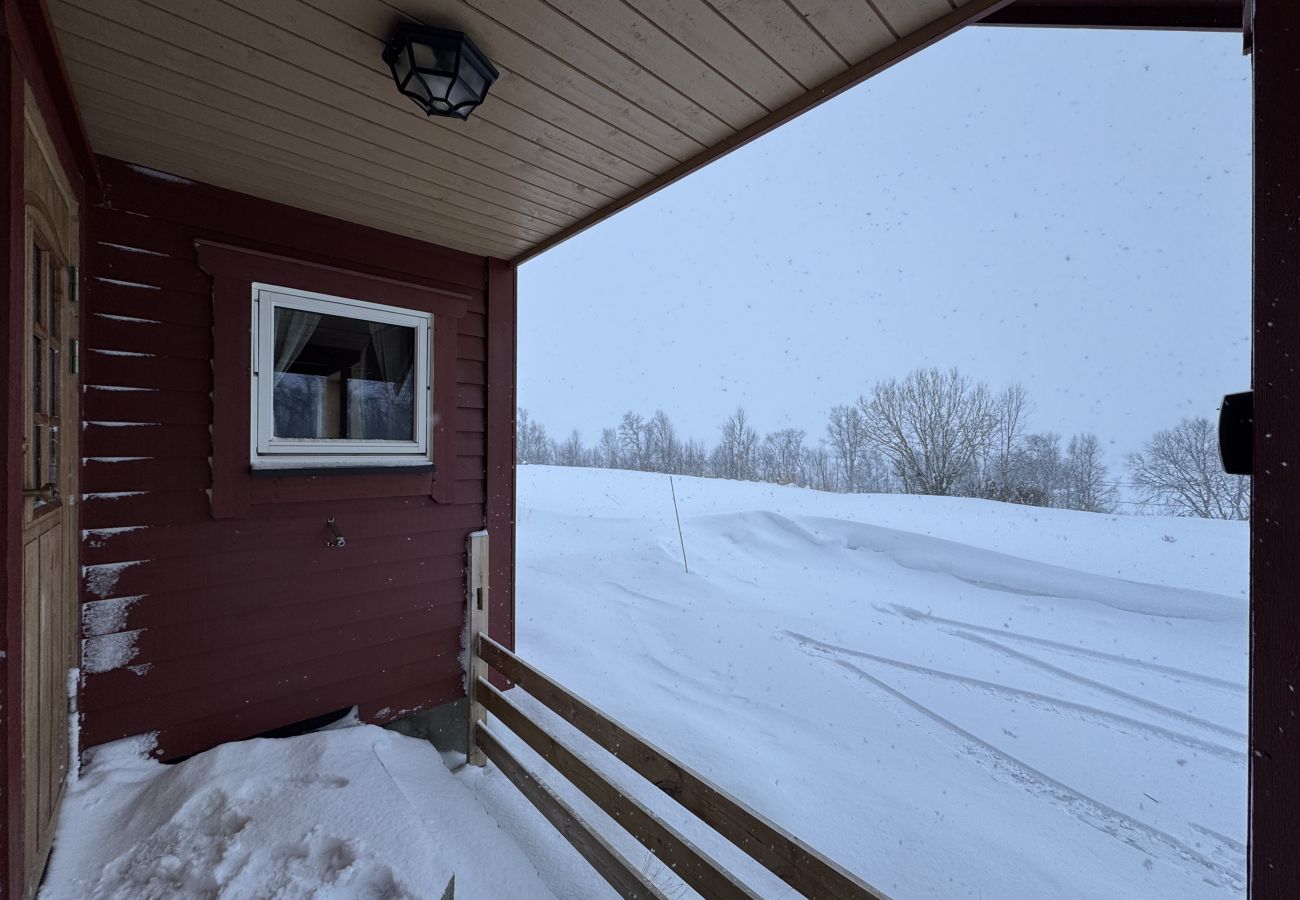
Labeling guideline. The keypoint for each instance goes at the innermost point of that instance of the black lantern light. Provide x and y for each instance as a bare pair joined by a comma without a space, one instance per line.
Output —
441,70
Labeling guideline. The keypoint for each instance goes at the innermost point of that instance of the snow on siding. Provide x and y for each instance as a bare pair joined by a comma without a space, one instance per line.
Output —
101,579
128,249
109,651
122,353
100,617
135,319
103,424
121,283
96,537
74,726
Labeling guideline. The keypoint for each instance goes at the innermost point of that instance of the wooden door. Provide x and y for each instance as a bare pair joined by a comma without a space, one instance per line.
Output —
52,421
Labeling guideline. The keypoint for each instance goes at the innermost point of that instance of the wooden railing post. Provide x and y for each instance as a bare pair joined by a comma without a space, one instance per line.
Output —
477,604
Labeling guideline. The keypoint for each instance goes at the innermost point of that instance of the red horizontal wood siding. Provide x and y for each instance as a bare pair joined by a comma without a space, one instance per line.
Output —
208,629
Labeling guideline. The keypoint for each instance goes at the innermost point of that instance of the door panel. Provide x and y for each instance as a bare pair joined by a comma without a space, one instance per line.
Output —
52,415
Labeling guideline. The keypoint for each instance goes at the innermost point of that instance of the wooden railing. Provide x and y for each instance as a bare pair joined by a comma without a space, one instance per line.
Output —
791,860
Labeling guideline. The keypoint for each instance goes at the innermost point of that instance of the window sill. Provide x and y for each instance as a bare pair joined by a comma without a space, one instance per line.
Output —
275,470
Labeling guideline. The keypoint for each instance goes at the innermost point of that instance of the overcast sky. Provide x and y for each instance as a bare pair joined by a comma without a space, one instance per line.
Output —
1067,209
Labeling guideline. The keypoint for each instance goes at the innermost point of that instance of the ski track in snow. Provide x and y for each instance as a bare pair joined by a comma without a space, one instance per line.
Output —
1046,701
1131,831
1101,686
1173,671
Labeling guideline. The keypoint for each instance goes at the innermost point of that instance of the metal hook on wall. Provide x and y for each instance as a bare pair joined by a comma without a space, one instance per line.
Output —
338,540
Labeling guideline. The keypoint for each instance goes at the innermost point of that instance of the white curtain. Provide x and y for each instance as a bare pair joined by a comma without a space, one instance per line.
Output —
292,338
395,352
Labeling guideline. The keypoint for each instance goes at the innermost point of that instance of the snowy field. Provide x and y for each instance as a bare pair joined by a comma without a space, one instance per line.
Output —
952,698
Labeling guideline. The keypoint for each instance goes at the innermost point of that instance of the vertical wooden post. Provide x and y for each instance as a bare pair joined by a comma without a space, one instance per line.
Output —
476,582
1274,864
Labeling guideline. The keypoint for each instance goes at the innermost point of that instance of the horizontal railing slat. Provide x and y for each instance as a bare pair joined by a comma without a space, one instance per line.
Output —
791,860
704,874
621,875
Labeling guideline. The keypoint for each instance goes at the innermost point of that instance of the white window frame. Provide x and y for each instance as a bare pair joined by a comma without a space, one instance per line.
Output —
271,452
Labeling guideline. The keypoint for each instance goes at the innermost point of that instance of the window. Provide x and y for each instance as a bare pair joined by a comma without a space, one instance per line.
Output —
338,382
46,304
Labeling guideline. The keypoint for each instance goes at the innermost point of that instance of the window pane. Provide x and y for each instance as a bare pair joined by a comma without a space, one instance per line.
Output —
53,283
38,265
38,446
339,377
54,378
38,364
54,455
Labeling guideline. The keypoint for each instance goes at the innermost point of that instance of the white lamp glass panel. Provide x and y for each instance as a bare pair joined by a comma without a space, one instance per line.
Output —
436,85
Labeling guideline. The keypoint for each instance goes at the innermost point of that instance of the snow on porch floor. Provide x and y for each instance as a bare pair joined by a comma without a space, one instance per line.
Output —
352,812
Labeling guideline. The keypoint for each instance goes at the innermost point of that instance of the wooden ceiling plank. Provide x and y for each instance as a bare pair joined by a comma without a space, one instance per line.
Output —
700,27
186,163
516,90
264,172
191,169
564,39
350,57
352,41
775,27
905,16
107,64
852,27
192,48
468,175
642,40
514,54
573,118
278,30
390,171
245,93
125,117
237,168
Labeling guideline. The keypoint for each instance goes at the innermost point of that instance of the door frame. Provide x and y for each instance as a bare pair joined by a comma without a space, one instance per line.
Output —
51,215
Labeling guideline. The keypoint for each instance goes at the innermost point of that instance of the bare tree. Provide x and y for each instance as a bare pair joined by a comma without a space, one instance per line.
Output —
819,468
532,446
607,454
998,479
846,435
695,458
1086,483
933,427
736,457
782,457
662,449
571,452
1037,470
1179,471
632,441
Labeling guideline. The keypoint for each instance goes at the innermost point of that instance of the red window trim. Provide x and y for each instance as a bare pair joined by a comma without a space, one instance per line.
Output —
234,487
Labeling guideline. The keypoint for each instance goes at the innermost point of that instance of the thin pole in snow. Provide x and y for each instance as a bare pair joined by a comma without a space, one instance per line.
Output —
680,539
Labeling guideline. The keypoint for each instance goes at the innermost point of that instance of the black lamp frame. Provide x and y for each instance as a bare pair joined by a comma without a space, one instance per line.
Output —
461,64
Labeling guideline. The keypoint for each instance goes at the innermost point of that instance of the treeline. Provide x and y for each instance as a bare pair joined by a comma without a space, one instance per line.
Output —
933,432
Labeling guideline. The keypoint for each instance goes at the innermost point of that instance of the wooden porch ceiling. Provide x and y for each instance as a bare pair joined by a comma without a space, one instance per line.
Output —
599,102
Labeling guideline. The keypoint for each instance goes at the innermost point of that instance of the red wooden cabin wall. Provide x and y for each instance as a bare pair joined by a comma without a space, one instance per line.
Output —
218,629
